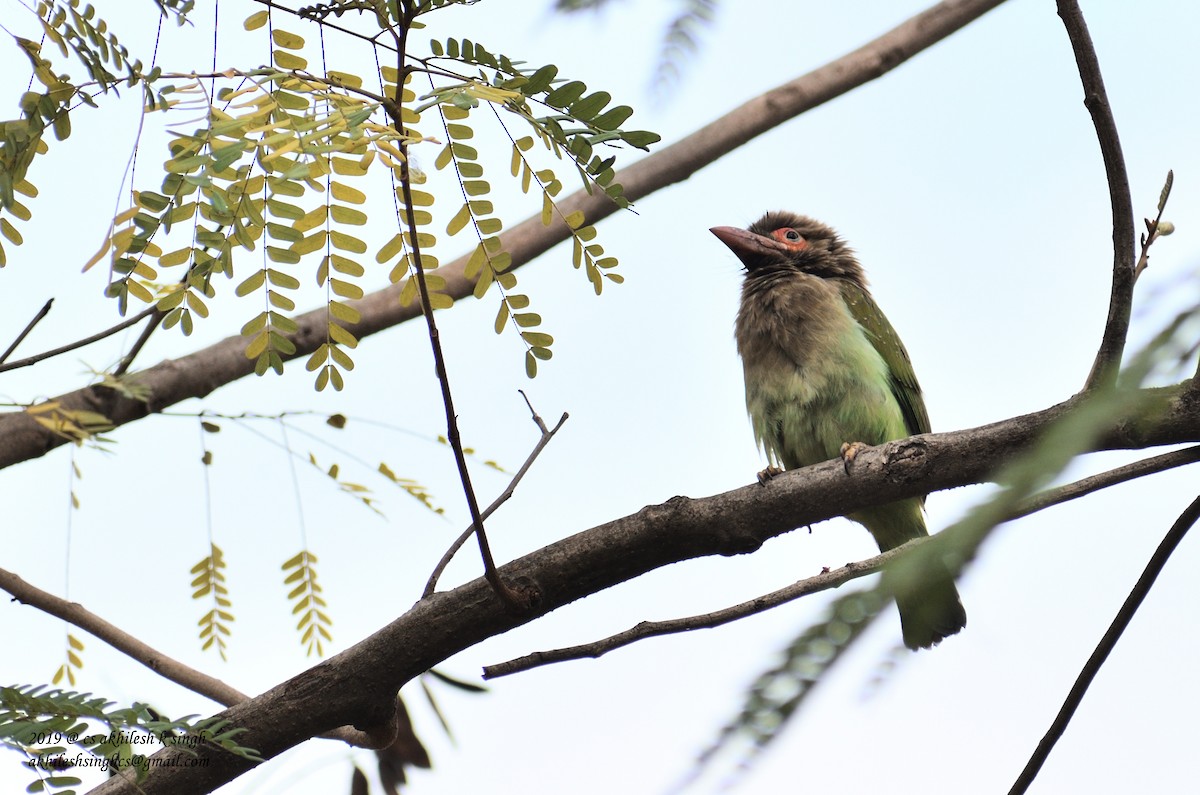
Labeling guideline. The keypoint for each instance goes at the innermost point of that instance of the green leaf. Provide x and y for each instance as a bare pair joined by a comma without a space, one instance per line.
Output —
281,232
528,319
565,94
502,317
281,279
537,339
346,242
252,283
539,81
347,266
345,193
641,138
590,105
345,289
464,152
347,215
313,242
613,118
346,314
286,256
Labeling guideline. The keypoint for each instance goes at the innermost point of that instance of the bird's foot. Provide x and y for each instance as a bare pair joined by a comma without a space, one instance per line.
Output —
849,452
767,474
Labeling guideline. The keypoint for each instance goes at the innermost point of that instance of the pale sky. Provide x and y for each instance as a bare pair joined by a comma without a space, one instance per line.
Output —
969,181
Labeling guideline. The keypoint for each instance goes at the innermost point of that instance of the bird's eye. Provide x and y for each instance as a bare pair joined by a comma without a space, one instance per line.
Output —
790,238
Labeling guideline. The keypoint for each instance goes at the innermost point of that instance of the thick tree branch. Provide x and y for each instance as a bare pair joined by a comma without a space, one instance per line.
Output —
198,374
357,687
830,579
1120,305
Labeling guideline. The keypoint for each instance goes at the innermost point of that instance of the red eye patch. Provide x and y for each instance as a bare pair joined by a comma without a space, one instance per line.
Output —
791,238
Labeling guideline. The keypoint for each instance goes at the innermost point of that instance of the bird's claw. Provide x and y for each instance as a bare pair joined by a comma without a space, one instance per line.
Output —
767,474
849,452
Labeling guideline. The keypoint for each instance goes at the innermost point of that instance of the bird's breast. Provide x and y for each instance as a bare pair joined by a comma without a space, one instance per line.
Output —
813,379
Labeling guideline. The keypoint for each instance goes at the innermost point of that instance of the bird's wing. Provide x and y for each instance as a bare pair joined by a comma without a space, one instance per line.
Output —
881,334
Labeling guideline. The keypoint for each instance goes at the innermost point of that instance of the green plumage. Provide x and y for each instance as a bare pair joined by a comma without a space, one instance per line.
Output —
823,368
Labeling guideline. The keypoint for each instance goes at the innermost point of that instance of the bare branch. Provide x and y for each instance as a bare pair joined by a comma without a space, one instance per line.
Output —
1156,228
45,310
127,360
1095,99
1088,485
108,332
76,614
1092,667
167,667
199,373
649,629
547,435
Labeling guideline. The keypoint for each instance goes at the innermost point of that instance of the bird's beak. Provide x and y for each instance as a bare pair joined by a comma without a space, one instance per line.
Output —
749,247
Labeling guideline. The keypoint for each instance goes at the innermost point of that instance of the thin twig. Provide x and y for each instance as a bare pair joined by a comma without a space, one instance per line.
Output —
45,310
1120,305
127,360
547,435
506,593
648,629
1157,561
836,578
1152,232
1102,480
108,332
326,23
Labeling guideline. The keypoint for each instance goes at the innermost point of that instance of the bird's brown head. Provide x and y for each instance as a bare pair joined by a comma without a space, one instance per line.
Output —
783,241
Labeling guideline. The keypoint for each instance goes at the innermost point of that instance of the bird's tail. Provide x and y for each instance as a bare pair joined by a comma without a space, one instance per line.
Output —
930,610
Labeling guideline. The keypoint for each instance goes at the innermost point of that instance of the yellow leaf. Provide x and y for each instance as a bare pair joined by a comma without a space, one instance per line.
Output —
345,193
285,39
459,221
390,248
256,20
